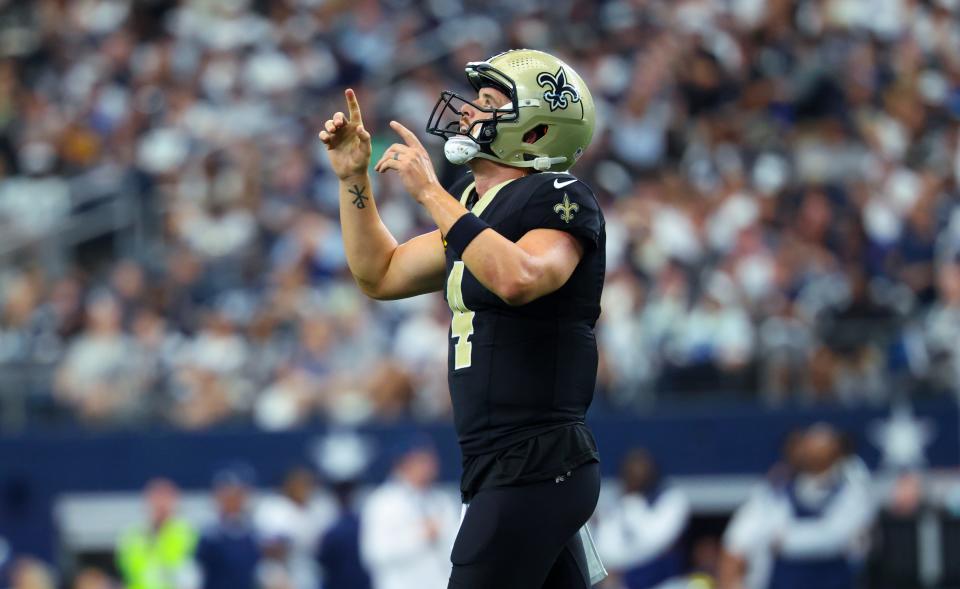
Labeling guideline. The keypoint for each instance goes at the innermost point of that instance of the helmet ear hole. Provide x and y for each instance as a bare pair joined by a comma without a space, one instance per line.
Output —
535,134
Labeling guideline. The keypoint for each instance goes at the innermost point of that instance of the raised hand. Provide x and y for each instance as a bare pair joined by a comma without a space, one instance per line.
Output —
348,143
411,161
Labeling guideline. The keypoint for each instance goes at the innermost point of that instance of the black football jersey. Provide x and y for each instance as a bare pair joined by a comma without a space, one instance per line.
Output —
518,372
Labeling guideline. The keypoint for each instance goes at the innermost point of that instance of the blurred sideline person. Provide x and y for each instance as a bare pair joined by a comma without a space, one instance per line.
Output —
228,552
520,252
747,560
407,526
31,573
638,538
826,513
815,526
93,578
898,538
159,554
290,525
339,554
343,459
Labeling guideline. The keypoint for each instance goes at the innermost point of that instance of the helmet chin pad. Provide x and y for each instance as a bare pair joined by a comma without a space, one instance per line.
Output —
459,149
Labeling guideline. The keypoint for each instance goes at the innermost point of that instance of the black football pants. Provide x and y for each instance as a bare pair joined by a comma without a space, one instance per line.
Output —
526,537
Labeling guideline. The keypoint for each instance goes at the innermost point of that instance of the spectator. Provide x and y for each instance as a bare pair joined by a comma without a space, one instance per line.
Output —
407,525
287,402
211,385
897,541
290,525
343,459
747,560
856,335
158,554
97,378
339,553
27,332
29,573
820,521
713,345
420,349
92,578
638,538
228,552
942,325
155,350
128,285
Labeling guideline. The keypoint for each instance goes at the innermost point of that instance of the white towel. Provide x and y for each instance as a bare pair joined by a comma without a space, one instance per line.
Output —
594,565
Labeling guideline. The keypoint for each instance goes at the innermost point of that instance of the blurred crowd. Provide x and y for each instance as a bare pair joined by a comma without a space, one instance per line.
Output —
779,180
817,519
310,533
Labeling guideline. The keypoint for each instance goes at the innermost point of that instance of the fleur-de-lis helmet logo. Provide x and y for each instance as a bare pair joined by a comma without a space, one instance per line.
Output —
560,93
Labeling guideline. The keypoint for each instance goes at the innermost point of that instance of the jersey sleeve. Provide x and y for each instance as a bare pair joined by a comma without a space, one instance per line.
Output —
571,207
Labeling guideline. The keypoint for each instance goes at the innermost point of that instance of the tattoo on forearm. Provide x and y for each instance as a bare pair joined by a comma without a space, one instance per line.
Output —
360,201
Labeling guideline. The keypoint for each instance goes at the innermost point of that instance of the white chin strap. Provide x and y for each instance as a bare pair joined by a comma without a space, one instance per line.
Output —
541,163
460,150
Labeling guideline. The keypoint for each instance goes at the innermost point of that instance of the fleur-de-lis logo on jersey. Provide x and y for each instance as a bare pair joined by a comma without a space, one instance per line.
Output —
558,89
566,209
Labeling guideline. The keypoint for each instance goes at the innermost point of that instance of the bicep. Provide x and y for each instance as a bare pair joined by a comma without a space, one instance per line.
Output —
554,255
417,266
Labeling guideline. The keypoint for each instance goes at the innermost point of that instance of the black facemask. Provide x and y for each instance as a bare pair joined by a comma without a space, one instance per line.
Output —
447,112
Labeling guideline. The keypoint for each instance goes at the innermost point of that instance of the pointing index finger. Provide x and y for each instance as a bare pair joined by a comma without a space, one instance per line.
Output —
353,106
408,137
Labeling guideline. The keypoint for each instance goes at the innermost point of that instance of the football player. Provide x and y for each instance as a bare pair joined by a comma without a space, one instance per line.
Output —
519,252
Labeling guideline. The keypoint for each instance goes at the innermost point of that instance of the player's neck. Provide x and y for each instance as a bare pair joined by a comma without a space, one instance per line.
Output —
488,174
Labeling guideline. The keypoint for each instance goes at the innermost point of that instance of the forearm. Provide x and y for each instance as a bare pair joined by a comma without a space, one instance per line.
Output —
836,531
819,538
368,243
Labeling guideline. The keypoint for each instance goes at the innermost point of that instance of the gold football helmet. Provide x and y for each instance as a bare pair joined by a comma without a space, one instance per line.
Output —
546,125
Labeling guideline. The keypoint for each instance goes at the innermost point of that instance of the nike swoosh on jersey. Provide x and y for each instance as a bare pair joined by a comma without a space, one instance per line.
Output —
558,184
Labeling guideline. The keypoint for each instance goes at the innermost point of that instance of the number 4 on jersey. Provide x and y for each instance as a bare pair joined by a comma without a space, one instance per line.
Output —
462,326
